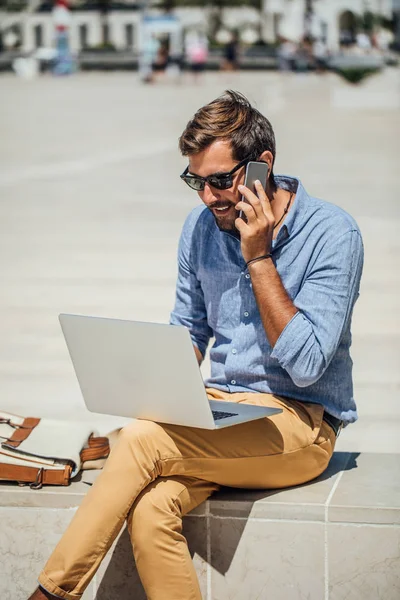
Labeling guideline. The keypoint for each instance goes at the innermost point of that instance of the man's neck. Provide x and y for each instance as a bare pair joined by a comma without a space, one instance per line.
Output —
279,202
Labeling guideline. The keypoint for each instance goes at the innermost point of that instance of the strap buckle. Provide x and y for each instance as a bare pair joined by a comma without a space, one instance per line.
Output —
37,484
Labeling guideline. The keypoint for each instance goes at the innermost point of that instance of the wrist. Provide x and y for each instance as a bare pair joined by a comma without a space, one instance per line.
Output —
263,257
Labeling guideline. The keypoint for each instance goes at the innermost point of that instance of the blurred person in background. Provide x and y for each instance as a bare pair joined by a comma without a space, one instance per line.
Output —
320,55
196,52
304,56
149,55
161,59
381,40
276,291
363,42
231,54
64,62
286,54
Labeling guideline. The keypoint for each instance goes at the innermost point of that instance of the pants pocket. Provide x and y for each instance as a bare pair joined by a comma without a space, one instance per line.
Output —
303,420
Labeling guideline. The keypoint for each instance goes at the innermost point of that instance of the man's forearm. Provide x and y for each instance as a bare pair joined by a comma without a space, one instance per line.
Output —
275,306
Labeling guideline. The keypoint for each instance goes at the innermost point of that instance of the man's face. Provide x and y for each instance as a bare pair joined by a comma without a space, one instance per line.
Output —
217,158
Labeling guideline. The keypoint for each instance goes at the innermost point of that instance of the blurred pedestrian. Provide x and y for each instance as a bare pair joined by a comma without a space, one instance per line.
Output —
363,42
148,57
382,39
161,58
231,54
320,55
196,49
64,63
303,56
286,55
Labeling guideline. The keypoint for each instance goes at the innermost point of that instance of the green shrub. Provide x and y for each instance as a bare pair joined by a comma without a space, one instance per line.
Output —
356,74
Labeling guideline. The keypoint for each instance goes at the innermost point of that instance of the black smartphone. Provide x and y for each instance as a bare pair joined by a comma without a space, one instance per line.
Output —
254,171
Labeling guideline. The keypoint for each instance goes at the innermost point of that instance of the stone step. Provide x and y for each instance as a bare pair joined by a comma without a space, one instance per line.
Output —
337,537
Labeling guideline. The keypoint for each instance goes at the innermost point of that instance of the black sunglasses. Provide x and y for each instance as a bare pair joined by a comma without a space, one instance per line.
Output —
220,181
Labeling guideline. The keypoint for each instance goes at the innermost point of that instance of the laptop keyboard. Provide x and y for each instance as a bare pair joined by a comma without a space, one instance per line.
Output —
219,414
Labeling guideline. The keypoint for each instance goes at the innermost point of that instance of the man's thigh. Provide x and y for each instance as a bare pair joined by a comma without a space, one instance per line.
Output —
297,426
285,449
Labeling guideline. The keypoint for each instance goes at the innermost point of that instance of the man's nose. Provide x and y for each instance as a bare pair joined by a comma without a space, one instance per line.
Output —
210,194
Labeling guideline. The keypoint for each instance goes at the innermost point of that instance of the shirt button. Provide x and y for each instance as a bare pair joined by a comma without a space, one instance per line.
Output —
246,314
247,275
234,351
233,382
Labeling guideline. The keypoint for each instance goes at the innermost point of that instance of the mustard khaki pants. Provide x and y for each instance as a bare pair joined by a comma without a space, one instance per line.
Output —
156,473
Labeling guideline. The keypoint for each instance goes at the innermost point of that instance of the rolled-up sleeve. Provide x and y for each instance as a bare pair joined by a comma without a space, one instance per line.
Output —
189,309
325,301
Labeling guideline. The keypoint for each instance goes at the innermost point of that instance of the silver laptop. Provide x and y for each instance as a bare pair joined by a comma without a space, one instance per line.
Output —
146,371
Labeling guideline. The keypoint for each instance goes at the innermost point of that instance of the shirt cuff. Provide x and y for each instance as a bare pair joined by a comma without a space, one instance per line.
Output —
292,339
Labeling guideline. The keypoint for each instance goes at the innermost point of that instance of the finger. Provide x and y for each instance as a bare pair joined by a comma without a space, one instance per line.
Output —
241,226
248,210
264,200
253,200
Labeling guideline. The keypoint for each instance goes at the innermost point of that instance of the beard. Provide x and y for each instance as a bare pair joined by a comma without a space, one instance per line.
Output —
226,226
224,221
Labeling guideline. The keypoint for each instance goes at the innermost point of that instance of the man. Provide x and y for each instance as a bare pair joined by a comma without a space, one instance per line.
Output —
276,290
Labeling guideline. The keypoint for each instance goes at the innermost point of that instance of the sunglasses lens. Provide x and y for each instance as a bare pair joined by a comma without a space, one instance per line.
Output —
195,183
220,183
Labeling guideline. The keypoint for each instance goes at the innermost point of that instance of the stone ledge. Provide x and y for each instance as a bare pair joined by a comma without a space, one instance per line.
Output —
356,488
340,532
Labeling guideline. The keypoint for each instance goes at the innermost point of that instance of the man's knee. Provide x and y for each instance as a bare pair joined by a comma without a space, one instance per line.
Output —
156,509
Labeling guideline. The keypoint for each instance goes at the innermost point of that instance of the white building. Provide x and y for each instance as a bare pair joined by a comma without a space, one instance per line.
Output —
329,20
278,17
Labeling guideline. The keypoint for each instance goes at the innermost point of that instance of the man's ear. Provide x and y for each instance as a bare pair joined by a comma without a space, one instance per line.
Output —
267,157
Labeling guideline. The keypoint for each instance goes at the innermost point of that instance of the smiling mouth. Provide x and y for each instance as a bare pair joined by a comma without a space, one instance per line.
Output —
221,210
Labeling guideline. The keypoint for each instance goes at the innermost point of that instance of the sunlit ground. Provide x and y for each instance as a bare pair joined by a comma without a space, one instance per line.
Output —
91,207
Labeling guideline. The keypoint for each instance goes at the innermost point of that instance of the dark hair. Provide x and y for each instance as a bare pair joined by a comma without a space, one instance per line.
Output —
230,117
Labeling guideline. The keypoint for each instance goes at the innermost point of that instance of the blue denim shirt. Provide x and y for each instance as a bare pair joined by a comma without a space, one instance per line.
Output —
318,254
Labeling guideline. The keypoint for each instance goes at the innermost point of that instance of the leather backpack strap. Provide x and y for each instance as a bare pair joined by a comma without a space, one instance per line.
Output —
35,476
99,447
22,431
